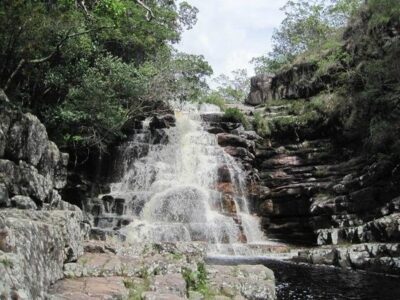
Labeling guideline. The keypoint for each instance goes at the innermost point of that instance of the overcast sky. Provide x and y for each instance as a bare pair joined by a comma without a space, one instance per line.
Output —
231,32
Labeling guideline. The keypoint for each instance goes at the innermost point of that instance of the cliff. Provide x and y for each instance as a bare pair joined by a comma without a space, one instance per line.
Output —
329,159
39,232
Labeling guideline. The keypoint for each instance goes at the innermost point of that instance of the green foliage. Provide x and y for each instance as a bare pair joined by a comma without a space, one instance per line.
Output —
260,125
236,115
96,109
87,67
372,82
233,88
302,119
214,98
383,11
176,76
306,27
197,280
136,289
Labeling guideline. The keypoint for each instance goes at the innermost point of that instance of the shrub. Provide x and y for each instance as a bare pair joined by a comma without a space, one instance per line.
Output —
260,125
237,116
214,98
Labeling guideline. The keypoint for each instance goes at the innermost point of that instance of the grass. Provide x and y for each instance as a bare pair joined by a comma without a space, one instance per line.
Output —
260,125
198,281
136,289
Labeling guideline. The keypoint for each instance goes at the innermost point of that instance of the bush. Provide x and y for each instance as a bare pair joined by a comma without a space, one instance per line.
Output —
260,125
235,115
214,98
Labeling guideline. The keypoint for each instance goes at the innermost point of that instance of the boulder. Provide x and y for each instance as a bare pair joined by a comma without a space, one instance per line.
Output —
53,165
23,202
25,180
162,122
30,164
260,90
226,139
35,245
26,138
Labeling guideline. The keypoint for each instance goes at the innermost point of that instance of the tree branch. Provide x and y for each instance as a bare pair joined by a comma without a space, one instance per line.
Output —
149,14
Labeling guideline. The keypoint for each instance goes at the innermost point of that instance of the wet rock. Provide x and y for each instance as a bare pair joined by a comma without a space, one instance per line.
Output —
162,122
159,136
239,152
225,139
23,202
213,117
224,174
215,130
225,187
228,204
232,127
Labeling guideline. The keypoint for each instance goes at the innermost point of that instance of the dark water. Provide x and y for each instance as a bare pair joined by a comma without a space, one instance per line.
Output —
301,282
305,282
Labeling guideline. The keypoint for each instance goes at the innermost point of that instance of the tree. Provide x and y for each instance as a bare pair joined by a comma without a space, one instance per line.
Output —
233,88
307,25
92,65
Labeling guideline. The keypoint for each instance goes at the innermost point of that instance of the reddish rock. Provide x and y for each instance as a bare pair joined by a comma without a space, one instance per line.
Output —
225,187
224,174
229,204
90,288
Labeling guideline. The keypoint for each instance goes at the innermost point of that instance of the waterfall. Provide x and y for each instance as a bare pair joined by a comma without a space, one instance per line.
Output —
186,188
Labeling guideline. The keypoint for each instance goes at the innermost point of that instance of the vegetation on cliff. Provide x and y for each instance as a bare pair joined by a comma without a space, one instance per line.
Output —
353,48
88,67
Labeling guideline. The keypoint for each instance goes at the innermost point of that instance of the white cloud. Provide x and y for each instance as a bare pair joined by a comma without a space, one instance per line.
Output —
231,32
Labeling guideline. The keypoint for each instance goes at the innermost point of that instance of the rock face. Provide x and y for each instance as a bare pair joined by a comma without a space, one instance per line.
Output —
374,257
30,164
314,191
34,245
39,232
297,82
260,90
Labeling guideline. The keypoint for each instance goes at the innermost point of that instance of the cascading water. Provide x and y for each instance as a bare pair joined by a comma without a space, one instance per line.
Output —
187,189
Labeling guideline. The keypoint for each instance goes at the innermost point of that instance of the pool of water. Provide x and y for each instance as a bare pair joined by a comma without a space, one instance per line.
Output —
307,282
301,282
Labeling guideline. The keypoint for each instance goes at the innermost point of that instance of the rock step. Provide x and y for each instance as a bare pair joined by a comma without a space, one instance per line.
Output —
385,229
89,288
374,257
158,271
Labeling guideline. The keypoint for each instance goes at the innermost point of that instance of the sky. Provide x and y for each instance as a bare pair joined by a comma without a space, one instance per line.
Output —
229,33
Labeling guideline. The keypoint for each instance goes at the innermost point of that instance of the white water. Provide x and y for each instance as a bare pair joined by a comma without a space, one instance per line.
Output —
174,193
